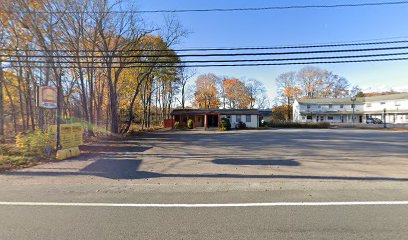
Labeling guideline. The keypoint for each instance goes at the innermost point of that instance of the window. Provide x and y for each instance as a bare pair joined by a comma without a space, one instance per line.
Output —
308,106
309,117
248,118
330,106
329,117
382,103
341,106
229,116
368,104
238,118
320,106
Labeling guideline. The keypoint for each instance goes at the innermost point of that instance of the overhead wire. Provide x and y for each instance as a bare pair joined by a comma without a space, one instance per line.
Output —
269,8
210,61
215,54
234,65
215,49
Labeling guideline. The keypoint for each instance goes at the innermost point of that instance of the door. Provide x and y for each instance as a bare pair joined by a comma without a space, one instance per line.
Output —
212,120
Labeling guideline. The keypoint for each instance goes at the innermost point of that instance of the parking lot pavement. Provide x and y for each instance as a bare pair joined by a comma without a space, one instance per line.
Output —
355,181
249,156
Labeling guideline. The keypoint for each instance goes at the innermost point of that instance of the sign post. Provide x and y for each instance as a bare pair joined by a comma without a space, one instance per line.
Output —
48,99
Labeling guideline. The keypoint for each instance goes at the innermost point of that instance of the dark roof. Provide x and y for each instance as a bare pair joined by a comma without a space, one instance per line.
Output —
265,112
359,100
329,101
221,111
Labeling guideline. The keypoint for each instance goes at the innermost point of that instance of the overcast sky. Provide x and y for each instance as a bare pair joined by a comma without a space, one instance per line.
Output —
291,27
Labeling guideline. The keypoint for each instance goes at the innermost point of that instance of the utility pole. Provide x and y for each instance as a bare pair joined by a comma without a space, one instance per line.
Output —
353,105
385,115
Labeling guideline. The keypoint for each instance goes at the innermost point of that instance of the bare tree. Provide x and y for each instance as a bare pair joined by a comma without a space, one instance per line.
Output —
185,75
287,89
256,90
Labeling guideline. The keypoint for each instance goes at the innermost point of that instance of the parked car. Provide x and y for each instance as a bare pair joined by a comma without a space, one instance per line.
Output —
370,121
373,121
240,125
378,121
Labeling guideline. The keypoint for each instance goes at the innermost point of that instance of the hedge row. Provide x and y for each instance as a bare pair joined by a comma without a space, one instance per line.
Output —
283,124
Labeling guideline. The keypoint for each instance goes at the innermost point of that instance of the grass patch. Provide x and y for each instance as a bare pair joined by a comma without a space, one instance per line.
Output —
11,162
283,124
11,158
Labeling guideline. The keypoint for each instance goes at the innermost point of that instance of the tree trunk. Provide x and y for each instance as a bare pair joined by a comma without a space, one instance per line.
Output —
30,102
91,106
113,102
13,106
288,108
132,103
20,95
84,99
2,138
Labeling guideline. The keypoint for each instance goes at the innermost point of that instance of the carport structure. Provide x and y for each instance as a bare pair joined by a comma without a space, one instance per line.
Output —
202,118
211,118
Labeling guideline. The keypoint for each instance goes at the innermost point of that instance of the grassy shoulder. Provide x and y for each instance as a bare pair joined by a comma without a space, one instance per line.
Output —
30,148
8,162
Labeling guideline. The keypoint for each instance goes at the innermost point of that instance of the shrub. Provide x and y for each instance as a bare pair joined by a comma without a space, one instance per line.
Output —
240,125
225,124
177,125
34,143
285,124
190,124
8,149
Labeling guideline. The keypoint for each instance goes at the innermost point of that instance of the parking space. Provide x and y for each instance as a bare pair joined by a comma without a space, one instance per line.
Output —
248,156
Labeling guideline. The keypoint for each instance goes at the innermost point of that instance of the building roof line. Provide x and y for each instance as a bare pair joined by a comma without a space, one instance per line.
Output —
359,100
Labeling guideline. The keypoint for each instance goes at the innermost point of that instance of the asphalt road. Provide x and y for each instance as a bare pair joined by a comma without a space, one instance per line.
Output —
280,170
265,222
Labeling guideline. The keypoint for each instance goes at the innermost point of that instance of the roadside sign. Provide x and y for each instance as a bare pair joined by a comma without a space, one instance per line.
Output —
47,97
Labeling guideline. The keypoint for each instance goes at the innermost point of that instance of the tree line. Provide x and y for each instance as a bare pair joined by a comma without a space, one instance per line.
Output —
211,91
309,82
103,62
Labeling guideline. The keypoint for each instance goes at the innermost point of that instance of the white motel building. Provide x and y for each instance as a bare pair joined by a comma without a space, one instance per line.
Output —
393,108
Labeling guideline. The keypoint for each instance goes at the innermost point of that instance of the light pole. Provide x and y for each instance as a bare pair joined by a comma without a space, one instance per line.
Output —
353,105
385,112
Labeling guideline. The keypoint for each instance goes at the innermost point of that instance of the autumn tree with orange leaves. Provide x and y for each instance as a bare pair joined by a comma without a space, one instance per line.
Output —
236,94
311,82
206,93
287,90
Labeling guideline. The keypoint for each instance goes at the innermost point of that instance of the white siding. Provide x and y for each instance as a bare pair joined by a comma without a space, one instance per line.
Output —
396,111
252,124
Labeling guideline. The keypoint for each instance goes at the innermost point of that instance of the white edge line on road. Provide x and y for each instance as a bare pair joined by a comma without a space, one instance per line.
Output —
203,205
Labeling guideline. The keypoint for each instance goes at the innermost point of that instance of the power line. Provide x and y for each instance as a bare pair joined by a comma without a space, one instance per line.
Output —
217,54
212,61
270,8
244,65
218,49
